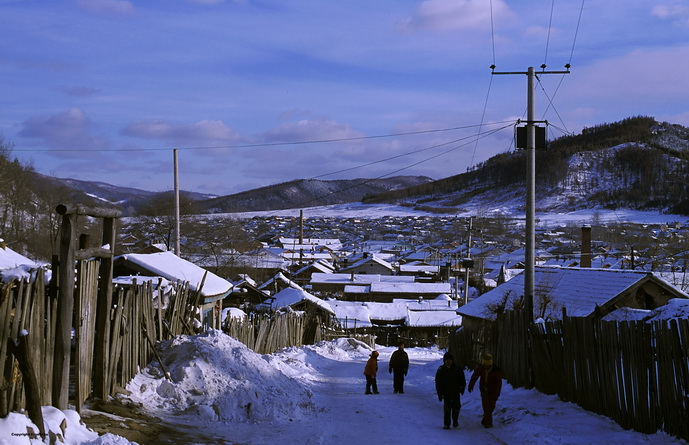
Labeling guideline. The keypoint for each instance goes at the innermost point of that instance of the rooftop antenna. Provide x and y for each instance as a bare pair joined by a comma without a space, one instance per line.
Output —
530,180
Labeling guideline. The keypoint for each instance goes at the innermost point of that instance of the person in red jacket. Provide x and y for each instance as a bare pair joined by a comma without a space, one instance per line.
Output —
489,379
370,372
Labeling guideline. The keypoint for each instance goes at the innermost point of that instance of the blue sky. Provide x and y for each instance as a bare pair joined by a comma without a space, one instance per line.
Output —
103,90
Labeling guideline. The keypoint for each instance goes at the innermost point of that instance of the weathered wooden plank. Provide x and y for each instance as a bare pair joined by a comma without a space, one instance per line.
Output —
21,352
78,209
85,326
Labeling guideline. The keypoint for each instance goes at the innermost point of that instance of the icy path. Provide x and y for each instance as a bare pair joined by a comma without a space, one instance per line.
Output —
346,416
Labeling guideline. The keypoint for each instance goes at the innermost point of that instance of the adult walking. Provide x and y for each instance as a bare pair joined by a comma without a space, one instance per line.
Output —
449,384
399,366
370,371
489,379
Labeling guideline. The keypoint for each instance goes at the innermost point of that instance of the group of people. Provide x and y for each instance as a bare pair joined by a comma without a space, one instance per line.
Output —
450,383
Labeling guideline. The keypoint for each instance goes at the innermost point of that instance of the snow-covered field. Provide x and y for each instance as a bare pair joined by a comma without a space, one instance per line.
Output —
373,211
315,395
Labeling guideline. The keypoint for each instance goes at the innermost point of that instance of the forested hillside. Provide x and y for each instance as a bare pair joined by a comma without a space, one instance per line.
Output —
644,164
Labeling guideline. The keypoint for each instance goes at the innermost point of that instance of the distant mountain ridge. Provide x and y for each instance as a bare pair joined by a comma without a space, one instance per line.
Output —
286,195
635,163
307,193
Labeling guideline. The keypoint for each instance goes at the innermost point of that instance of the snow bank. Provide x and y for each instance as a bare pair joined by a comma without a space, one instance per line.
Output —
65,427
306,363
218,378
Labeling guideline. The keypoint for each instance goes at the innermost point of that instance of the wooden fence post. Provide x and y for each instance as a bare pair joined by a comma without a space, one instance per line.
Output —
33,397
65,308
102,341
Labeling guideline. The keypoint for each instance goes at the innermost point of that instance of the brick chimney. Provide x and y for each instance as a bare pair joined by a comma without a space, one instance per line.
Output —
585,260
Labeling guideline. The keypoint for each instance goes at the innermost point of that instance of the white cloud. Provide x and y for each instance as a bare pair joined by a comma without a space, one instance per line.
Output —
677,13
453,15
206,2
309,130
69,130
201,132
118,7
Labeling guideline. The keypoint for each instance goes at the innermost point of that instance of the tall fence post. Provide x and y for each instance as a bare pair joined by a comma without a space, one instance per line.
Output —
65,309
102,340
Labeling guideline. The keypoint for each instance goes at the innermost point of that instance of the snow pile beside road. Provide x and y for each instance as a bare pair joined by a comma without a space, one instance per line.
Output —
218,378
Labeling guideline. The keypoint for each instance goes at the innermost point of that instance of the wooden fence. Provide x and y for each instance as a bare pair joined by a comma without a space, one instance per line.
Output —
27,336
636,373
268,333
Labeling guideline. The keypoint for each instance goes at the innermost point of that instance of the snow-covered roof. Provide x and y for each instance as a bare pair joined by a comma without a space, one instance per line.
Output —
370,259
433,318
290,296
579,290
176,269
345,278
411,288
9,259
419,268
351,314
319,265
280,277
675,308
424,314
308,243
16,266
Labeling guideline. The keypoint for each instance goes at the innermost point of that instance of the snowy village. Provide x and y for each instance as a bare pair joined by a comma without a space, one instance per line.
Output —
251,222
602,335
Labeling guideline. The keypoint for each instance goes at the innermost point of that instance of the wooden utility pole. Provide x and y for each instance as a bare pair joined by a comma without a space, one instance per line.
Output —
176,243
468,264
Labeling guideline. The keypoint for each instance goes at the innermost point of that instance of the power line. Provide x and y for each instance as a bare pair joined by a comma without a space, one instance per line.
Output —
256,145
550,26
304,203
550,101
492,31
576,32
399,156
483,114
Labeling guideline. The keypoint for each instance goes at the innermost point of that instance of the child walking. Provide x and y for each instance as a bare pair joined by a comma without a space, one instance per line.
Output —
370,372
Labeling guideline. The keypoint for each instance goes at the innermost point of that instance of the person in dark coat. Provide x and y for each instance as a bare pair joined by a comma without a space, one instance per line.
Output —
449,384
399,366
370,371
489,379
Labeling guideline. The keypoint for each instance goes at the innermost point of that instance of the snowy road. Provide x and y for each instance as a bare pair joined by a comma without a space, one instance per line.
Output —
338,411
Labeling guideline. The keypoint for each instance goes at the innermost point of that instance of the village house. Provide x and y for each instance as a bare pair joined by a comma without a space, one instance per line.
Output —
310,244
380,288
420,270
370,264
303,275
213,289
335,283
580,292
298,300
245,294
277,283
416,321
263,262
